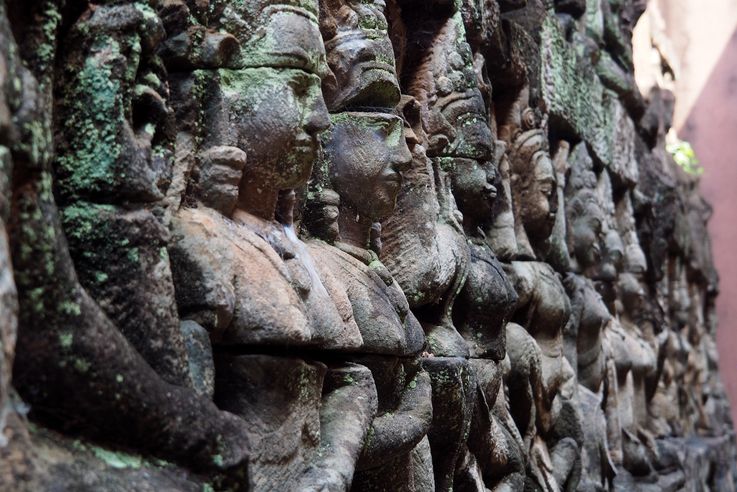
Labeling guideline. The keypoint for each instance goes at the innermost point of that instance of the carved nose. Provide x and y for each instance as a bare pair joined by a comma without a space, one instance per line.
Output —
402,158
318,118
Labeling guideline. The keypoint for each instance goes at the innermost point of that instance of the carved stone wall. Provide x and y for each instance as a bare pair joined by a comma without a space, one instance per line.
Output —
348,245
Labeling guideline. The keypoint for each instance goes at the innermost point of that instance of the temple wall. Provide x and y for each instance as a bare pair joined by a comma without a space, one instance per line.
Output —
360,245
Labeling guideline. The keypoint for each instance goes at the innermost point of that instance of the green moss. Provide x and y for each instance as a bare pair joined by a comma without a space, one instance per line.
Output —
684,155
94,110
217,460
66,339
70,308
36,297
117,459
81,365
82,220
133,255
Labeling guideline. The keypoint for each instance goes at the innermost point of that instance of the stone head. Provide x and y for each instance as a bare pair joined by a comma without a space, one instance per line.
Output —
534,184
631,295
360,55
473,183
272,99
365,154
585,229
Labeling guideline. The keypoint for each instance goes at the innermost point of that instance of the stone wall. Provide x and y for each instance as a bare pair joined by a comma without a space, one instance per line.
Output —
348,244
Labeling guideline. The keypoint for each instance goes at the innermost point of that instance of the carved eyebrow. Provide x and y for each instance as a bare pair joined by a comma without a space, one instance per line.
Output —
296,55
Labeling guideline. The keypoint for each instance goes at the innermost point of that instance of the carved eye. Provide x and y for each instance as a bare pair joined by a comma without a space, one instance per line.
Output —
546,188
300,83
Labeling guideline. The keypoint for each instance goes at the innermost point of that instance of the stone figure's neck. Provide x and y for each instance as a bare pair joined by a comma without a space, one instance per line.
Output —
354,229
256,198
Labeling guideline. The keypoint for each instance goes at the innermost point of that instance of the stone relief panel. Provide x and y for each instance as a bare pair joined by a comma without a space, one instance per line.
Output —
332,245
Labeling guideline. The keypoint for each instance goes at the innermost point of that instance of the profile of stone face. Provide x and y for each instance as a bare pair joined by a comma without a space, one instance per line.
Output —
258,141
359,54
585,216
366,154
534,191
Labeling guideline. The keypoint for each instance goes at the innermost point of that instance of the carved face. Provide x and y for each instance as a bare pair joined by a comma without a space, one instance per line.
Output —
632,295
534,184
275,108
613,256
473,187
359,54
274,116
465,114
366,154
585,222
586,231
542,194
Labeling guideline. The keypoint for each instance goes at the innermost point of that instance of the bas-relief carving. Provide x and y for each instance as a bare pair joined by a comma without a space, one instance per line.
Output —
262,284
350,236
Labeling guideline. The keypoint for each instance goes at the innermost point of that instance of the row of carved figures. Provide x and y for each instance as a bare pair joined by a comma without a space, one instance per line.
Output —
302,245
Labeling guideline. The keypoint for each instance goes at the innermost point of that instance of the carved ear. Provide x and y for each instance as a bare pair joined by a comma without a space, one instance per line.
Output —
330,89
528,119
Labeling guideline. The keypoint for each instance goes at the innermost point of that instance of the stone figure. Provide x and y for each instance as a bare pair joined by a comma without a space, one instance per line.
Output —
66,342
481,312
501,235
354,164
111,183
542,309
541,371
534,191
422,241
536,187
586,240
379,306
355,186
634,358
457,138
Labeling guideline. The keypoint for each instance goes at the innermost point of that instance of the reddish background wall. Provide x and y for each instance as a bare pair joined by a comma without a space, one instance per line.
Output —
703,36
